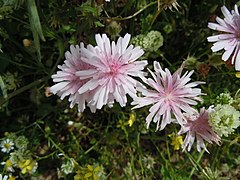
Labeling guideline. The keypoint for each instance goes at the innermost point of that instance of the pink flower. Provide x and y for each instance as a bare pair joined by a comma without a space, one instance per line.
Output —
170,95
67,83
198,126
229,40
112,72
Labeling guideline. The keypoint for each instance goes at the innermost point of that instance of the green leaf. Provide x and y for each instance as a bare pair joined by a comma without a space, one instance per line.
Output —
35,25
3,93
34,18
98,24
88,9
60,45
97,169
95,177
90,167
87,175
4,61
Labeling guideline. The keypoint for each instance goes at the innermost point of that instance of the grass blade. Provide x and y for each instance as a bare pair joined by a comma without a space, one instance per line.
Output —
35,25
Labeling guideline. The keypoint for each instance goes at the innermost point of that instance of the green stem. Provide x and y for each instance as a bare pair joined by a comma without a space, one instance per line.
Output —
131,16
230,141
131,153
160,152
155,16
140,153
236,95
195,163
91,148
165,59
45,157
21,65
168,152
216,157
17,19
24,88
29,86
56,146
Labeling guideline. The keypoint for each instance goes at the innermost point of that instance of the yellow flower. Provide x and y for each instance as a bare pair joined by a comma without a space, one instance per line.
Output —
121,124
6,133
9,165
131,119
237,74
177,141
27,42
88,173
27,166
11,178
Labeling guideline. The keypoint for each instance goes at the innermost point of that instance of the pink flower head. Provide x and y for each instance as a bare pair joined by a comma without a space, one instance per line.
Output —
67,83
113,68
198,126
170,95
229,38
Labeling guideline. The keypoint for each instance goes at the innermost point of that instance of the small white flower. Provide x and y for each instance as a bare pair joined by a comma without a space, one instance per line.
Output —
70,123
8,165
35,167
5,177
68,166
7,145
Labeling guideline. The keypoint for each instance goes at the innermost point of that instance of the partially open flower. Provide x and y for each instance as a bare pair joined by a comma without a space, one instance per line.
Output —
168,4
198,127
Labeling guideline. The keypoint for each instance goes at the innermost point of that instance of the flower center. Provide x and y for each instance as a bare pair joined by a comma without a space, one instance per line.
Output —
168,96
113,69
7,145
8,163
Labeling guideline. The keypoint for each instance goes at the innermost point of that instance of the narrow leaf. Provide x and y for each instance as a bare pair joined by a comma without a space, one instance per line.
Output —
3,93
34,18
35,26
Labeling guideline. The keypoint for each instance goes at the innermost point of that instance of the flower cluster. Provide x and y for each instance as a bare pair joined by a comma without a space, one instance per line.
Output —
224,119
150,42
18,155
88,172
68,166
177,141
224,98
28,166
106,73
